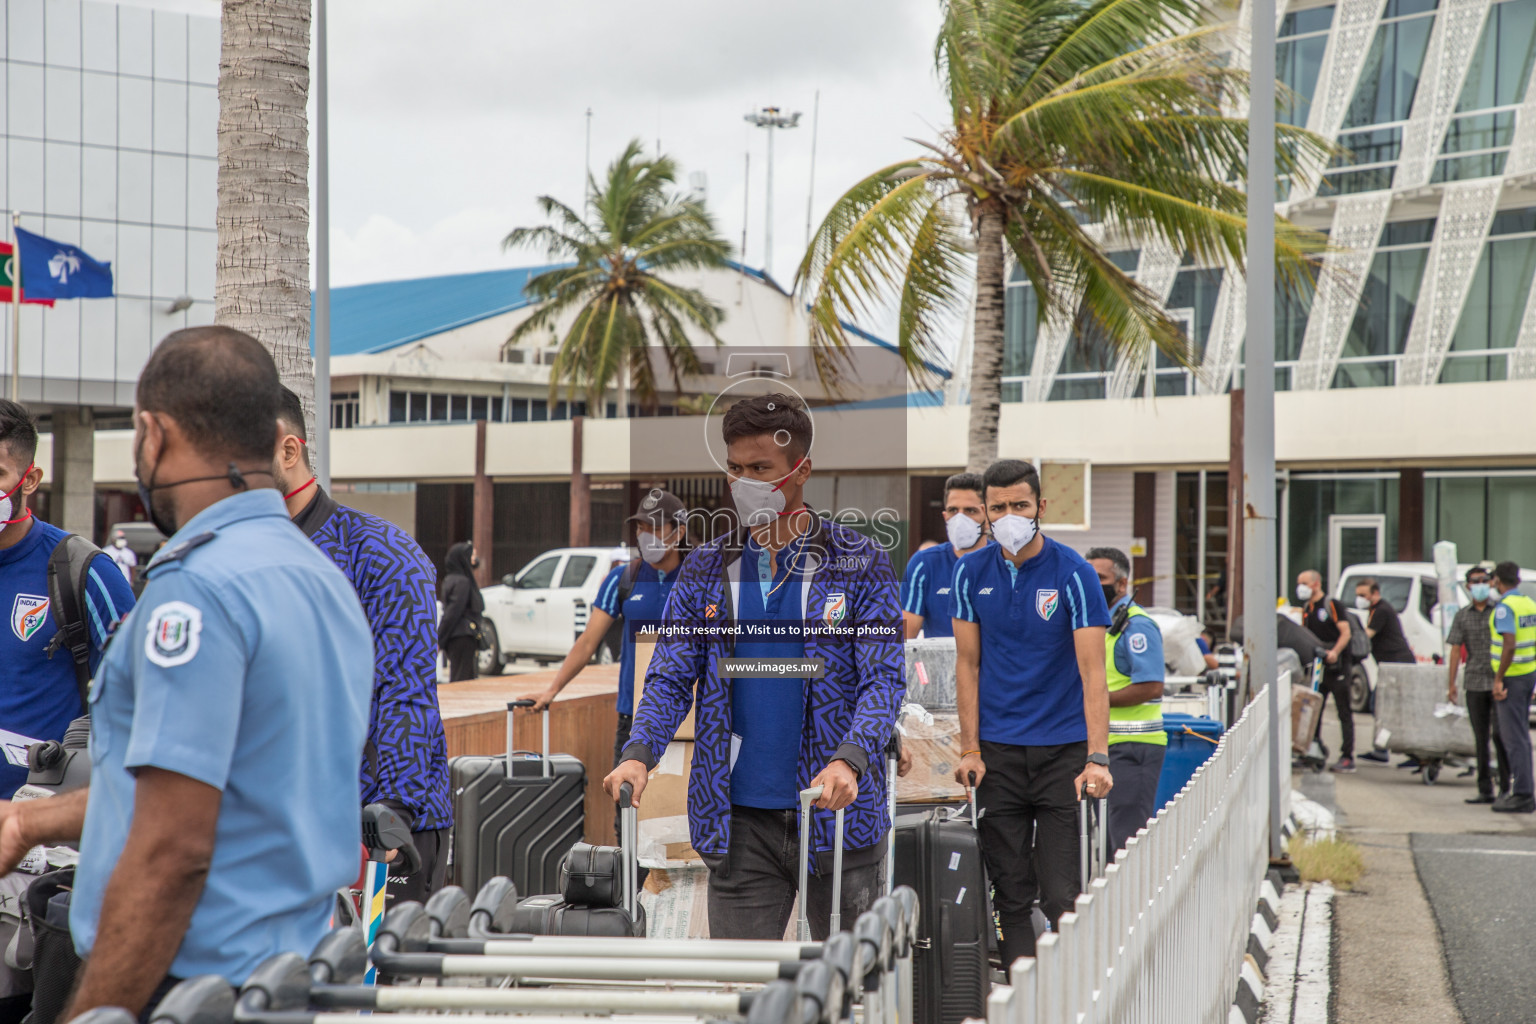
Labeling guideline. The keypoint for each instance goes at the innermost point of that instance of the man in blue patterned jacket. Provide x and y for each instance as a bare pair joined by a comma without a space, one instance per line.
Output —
405,762
797,587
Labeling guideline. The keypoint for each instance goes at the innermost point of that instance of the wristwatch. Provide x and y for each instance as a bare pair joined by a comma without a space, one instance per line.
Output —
1102,760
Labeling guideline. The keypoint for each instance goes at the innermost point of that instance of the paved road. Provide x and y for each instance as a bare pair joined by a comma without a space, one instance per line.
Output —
1483,891
1422,883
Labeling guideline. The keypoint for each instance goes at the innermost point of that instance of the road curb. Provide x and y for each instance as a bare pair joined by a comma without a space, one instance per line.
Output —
1248,1001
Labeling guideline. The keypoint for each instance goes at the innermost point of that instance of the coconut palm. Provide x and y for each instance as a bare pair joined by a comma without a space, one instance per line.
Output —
262,282
613,294
1064,114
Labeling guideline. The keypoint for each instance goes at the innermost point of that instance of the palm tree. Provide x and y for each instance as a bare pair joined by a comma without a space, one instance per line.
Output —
1065,113
614,288
262,282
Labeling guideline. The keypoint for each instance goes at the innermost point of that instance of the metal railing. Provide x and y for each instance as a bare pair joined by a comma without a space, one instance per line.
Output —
1161,936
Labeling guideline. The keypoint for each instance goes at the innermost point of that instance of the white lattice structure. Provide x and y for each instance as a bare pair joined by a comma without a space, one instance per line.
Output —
1465,213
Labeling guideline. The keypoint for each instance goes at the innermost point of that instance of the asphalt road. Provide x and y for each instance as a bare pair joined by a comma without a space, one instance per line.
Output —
1483,891
1434,933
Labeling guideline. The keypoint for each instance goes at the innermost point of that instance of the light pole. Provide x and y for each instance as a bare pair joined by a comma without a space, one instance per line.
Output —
321,327
770,118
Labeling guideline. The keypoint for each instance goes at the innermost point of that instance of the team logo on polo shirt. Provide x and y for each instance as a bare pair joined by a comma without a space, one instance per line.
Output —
28,615
172,636
1046,602
836,608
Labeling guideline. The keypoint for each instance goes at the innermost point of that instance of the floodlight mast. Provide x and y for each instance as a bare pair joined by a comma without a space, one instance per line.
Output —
770,118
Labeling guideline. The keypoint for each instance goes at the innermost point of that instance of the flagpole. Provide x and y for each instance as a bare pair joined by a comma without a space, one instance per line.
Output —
15,307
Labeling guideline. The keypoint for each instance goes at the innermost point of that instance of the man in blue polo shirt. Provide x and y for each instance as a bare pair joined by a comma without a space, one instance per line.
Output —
634,592
1034,706
925,604
40,693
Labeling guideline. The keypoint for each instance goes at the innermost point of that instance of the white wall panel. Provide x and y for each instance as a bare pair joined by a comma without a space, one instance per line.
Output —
61,104
61,27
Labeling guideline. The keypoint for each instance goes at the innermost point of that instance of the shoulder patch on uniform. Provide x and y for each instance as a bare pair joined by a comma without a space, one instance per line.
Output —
181,550
1138,643
173,634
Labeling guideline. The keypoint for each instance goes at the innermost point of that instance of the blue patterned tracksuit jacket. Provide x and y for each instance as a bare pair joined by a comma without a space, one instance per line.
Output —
406,756
853,622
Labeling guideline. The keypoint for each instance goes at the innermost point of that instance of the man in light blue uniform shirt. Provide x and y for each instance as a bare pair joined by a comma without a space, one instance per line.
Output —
925,588
229,714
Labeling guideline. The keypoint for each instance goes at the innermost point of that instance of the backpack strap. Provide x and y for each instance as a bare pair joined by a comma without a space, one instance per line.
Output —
69,570
627,582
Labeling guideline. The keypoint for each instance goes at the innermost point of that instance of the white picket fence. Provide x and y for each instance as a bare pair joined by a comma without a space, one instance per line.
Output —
1160,938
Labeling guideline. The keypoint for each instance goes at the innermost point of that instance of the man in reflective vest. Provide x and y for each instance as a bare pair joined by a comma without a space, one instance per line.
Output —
1513,650
1133,664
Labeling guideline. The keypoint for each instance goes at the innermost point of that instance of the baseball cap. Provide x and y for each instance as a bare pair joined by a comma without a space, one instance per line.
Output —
658,508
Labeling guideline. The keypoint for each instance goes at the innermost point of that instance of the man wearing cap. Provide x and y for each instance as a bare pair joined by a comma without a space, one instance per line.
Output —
634,592
122,555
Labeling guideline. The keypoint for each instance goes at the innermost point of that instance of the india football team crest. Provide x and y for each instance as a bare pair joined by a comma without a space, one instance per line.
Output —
172,634
1046,602
28,614
836,608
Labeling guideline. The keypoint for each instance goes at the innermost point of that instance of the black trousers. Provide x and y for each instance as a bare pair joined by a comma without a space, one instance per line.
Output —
462,652
1136,769
1336,683
432,844
752,888
1029,836
1513,715
1481,711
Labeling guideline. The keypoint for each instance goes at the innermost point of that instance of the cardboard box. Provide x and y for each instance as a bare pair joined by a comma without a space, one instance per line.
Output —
644,648
1306,709
663,814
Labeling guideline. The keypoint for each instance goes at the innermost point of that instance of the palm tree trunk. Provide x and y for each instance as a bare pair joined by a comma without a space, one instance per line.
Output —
262,285
987,340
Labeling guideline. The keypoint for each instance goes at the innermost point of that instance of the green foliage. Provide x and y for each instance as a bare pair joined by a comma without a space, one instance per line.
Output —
613,291
1065,114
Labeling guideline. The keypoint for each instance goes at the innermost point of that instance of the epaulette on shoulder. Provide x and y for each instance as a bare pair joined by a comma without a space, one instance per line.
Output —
172,555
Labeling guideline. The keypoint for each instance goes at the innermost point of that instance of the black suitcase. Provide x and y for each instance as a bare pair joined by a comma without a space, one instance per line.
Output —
598,887
939,856
517,823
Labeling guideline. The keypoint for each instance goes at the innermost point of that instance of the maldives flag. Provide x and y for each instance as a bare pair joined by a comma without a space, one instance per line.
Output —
6,260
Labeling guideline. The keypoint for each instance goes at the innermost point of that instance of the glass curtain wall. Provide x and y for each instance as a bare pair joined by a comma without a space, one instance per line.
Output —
1489,325
1315,498
1487,515
1374,345
1477,141
1021,326
1373,125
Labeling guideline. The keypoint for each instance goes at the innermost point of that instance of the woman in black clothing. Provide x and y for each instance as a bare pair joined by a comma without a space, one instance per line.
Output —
459,628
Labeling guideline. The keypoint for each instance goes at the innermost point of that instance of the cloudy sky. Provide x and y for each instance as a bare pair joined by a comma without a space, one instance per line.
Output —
448,119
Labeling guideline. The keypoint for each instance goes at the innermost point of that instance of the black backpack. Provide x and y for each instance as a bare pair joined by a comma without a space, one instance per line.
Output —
1359,639
68,573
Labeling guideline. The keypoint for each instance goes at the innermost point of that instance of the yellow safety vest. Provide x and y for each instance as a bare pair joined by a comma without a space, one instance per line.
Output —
1134,723
1525,635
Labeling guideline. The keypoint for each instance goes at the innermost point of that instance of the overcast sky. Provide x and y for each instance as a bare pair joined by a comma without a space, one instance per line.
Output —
449,119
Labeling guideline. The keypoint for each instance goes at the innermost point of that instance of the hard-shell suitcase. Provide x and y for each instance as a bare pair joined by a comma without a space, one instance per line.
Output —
939,855
604,877
515,815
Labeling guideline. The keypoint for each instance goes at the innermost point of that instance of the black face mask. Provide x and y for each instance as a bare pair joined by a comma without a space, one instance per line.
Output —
1110,596
169,526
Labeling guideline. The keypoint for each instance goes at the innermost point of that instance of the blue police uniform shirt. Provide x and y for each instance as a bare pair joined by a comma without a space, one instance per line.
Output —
646,602
248,666
768,714
1029,690
1504,619
39,695
926,587
1139,650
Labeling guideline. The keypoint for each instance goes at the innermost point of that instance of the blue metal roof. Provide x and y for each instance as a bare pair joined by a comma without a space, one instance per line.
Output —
370,318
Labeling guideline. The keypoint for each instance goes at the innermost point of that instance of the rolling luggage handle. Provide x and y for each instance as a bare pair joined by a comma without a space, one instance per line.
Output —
892,759
629,838
803,932
546,769
1094,830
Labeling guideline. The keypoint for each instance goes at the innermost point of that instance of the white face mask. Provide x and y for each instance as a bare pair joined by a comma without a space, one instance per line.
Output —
963,531
1303,593
120,543
759,502
1362,603
8,503
652,548
1014,532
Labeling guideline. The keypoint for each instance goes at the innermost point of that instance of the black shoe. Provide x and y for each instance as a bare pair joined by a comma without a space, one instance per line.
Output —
1344,765
1408,762
1514,805
1379,756
1481,798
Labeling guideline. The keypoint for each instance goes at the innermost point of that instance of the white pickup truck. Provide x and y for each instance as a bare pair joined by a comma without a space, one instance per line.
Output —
539,611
